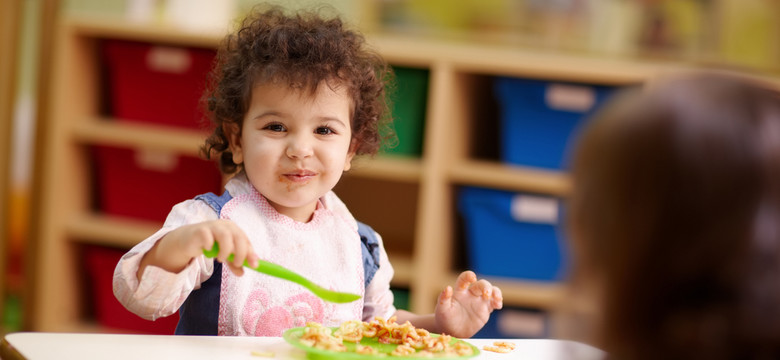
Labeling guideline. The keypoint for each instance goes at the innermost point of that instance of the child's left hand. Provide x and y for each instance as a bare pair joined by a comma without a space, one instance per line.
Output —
463,311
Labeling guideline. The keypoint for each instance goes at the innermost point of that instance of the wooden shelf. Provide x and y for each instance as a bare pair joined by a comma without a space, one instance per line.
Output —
531,294
99,229
394,168
519,62
422,253
403,265
543,296
404,50
509,177
121,28
115,132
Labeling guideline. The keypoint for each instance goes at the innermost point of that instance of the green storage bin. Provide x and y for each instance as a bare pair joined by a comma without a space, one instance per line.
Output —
400,298
409,101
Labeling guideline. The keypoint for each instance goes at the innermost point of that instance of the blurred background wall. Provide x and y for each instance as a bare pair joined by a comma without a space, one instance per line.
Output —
739,32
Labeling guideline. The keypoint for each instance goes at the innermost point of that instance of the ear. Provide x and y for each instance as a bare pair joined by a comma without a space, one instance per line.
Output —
348,163
350,156
233,134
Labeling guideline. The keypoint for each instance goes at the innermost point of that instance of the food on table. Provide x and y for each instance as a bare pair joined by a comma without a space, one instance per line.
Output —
500,347
410,340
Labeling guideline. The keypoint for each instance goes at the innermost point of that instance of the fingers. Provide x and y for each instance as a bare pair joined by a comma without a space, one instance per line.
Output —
497,301
237,270
231,251
481,288
205,239
234,246
465,279
445,296
253,259
240,248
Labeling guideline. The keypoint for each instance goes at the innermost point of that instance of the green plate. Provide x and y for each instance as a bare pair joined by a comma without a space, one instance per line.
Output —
293,336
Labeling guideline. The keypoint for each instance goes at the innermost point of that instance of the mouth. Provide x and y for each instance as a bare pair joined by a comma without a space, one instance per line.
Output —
299,175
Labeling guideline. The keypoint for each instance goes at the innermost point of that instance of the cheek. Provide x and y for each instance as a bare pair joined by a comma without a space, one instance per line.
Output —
340,158
328,165
261,152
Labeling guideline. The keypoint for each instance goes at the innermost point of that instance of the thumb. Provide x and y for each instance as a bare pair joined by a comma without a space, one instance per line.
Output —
445,297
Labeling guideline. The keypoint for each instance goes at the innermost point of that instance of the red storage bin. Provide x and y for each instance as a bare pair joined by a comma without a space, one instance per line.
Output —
157,84
145,184
99,265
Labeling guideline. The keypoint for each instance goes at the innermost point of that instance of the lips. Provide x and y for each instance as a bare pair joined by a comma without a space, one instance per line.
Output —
299,175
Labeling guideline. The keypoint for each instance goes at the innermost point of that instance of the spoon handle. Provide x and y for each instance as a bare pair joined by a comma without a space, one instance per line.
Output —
281,272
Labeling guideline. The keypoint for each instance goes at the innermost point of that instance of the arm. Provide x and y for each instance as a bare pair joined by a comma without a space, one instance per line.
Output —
154,292
426,321
160,289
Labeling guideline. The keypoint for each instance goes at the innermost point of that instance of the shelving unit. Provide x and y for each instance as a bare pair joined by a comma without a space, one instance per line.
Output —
419,231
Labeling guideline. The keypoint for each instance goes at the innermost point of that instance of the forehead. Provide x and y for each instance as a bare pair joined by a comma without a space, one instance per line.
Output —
329,92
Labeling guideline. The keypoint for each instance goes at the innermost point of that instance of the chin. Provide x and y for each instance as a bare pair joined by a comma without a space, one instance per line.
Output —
294,203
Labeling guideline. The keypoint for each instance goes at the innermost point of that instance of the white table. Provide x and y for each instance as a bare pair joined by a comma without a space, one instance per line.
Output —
45,346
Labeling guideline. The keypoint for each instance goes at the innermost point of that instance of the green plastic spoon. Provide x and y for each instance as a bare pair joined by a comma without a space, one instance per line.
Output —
275,270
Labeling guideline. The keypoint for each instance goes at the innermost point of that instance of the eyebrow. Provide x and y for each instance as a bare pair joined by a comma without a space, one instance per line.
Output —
268,113
330,118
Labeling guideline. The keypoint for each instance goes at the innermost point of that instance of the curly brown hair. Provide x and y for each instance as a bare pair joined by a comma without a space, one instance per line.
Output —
300,50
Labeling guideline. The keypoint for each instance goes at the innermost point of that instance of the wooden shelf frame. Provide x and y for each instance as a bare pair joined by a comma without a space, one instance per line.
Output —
73,123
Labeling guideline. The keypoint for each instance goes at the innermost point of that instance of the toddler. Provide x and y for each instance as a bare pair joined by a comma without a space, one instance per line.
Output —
293,99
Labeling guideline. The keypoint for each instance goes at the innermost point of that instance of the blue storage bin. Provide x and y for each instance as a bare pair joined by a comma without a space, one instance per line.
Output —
538,118
512,234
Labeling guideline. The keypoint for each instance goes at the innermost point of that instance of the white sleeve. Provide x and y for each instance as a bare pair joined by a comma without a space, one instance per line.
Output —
160,293
378,299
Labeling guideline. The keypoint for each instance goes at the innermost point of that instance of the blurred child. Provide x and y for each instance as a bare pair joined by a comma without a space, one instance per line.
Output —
675,221
293,99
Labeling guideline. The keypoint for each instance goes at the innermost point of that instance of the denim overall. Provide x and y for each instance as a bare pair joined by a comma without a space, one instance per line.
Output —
199,315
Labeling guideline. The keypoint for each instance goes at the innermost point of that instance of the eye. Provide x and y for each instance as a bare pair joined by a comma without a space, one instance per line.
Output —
274,127
324,130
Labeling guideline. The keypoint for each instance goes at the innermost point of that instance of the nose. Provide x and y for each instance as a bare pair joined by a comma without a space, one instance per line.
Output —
299,147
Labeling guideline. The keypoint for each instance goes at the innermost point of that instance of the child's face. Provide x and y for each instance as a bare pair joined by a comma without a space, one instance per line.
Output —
295,146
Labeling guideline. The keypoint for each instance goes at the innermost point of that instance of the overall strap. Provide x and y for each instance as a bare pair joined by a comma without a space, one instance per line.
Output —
199,315
216,202
369,246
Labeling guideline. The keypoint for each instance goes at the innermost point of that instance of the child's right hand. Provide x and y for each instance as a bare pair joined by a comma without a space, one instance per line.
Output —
177,248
